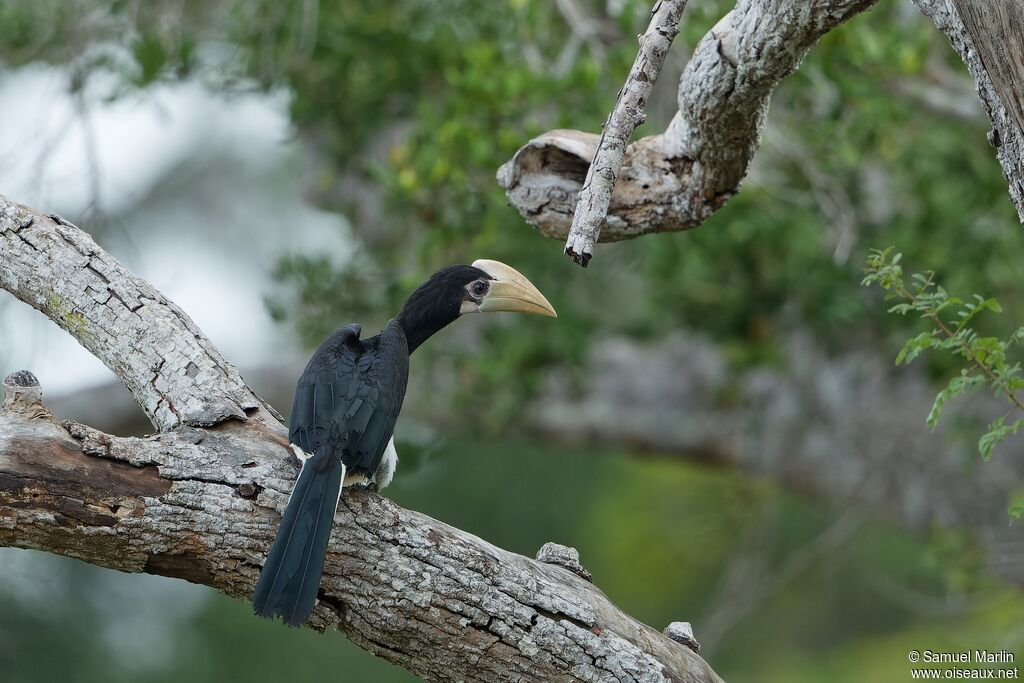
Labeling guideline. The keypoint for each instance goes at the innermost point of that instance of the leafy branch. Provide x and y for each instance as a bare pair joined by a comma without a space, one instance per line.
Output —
986,358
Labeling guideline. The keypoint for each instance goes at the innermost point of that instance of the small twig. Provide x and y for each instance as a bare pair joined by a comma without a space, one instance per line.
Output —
628,113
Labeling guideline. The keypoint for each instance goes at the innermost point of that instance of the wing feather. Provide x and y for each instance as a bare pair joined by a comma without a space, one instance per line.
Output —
349,398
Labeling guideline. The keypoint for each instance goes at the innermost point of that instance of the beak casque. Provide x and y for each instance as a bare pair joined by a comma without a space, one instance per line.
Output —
510,291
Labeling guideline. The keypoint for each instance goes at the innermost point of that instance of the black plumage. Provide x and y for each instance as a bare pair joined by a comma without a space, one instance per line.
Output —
348,398
343,416
346,404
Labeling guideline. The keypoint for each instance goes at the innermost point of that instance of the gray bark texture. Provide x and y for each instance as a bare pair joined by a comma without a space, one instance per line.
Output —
628,113
168,365
201,499
676,180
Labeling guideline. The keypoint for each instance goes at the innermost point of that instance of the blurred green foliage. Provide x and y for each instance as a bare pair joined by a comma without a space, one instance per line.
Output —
849,151
850,158
416,103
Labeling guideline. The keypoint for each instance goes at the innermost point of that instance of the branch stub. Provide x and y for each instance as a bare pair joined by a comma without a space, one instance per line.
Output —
565,557
682,632
22,394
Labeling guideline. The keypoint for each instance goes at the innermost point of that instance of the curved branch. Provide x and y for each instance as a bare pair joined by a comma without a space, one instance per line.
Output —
676,180
171,368
203,504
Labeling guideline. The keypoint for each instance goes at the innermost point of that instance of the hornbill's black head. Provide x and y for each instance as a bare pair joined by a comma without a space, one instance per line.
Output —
483,287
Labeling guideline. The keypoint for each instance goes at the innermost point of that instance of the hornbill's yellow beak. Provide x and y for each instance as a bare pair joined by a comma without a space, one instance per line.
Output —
510,291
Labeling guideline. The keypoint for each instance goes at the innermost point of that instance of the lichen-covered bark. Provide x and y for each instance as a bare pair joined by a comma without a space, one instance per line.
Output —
203,503
154,348
676,180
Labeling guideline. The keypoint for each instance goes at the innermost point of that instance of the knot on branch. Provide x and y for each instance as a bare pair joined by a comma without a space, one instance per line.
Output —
565,557
21,378
22,394
728,46
213,412
682,632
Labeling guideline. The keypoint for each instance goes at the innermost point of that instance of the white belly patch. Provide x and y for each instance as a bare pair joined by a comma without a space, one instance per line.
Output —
388,464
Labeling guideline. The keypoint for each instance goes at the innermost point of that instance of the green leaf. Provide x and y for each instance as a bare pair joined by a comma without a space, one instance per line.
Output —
997,432
902,309
940,401
914,346
971,310
962,383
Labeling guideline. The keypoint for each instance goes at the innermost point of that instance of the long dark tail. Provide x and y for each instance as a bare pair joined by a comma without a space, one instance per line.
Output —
291,575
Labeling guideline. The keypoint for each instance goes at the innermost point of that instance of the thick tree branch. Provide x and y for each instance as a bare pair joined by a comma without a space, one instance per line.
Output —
676,180
203,504
172,369
628,113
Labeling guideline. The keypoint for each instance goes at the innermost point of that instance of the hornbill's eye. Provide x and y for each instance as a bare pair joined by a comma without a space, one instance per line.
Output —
479,288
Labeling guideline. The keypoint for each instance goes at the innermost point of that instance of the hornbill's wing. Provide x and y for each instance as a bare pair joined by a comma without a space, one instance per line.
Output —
346,404
348,399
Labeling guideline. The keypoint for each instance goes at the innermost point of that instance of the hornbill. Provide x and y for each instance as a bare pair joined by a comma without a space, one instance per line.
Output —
343,417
